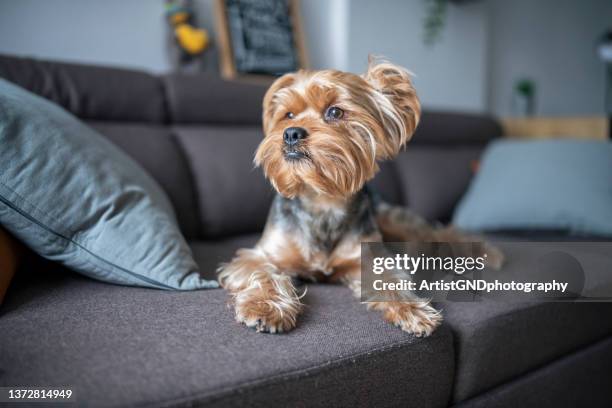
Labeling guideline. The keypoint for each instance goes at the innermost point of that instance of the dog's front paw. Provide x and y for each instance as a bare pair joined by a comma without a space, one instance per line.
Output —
265,313
415,317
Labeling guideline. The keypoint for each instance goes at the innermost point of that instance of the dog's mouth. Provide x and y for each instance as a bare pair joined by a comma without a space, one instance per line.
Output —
294,155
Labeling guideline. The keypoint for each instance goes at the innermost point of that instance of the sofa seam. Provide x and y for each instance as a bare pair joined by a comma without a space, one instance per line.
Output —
251,385
200,230
195,194
167,118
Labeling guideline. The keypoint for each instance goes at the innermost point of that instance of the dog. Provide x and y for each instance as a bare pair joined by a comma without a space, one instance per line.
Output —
324,134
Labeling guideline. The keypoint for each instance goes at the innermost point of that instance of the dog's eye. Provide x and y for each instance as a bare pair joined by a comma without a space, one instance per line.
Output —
290,115
334,113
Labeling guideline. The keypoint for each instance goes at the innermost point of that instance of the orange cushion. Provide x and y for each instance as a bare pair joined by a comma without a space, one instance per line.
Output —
9,257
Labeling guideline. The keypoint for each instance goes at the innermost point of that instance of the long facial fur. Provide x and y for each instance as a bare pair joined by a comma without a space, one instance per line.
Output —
381,112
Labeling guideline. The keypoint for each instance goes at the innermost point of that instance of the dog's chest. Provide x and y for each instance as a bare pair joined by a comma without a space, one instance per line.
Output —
315,240
323,239
323,231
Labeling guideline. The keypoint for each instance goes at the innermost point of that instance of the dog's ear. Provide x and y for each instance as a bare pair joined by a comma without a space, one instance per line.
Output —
270,101
398,102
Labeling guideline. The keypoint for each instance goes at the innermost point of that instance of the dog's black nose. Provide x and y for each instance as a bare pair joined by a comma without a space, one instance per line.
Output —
293,135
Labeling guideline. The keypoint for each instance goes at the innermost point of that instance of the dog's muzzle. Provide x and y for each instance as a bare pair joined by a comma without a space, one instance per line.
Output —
292,137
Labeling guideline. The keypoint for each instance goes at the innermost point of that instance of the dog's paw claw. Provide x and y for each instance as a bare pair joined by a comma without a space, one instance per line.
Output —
265,317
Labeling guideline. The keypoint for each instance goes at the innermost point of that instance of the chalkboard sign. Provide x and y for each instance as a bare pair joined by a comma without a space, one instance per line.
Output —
259,37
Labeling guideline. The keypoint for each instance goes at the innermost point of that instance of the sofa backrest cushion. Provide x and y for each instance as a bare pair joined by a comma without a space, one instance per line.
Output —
90,92
233,195
436,167
196,135
433,178
450,129
205,98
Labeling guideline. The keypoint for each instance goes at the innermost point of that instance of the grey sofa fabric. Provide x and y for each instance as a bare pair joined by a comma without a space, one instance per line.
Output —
455,129
234,197
497,342
90,92
209,254
119,346
585,376
205,98
387,184
434,178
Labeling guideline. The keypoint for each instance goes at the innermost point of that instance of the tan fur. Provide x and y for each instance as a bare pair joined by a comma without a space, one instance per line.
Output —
398,225
264,298
381,112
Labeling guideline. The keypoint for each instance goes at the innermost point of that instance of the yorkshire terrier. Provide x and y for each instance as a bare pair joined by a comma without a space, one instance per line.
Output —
325,131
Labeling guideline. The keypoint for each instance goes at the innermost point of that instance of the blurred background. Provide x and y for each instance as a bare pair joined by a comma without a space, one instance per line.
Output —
538,58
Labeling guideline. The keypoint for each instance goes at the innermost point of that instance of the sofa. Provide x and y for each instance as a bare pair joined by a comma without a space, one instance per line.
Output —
128,346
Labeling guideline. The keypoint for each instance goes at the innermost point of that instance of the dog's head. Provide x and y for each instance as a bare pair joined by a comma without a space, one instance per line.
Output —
326,130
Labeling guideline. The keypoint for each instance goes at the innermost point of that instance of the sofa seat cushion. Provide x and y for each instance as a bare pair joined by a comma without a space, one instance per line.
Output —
497,341
579,379
494,341
209,254
120,346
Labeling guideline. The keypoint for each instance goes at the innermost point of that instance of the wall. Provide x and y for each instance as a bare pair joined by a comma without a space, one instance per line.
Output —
326,24
111,32
451,74
133,33
552,42
340,34
485,47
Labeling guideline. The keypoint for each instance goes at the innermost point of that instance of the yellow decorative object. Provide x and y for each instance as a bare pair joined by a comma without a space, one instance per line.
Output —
179,17
192,40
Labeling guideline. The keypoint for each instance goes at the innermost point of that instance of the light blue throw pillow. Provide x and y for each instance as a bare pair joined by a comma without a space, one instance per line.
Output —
544,185
73,197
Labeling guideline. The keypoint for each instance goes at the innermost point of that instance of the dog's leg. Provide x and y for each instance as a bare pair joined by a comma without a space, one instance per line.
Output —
263,298
402,309
399,224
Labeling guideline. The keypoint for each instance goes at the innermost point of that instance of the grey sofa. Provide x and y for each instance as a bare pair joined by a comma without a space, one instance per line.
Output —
124,346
